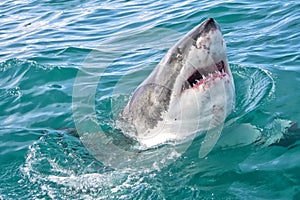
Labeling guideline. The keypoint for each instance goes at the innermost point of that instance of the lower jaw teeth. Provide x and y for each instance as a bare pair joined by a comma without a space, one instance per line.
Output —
204,79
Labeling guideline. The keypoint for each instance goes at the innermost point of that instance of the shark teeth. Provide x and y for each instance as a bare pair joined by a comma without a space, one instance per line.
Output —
203,76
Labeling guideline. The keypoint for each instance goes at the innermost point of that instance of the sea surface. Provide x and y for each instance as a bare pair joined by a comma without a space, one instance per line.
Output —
72,65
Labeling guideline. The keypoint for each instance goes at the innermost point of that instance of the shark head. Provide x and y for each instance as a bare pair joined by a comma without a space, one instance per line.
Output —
190,90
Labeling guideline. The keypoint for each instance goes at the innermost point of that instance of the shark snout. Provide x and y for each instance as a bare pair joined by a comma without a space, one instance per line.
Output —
210,24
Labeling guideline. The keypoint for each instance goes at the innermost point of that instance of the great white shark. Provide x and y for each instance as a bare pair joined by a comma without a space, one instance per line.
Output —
189,91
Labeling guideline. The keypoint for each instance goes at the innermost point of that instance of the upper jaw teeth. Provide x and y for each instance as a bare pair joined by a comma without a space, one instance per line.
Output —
204,78
211,74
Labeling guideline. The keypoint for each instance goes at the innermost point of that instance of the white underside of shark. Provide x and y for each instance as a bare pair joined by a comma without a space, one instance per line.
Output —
201,115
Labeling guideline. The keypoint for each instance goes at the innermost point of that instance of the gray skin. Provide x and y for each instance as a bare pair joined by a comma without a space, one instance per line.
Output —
152,98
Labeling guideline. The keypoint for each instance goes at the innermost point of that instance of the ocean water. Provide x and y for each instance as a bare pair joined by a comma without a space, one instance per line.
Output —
68,65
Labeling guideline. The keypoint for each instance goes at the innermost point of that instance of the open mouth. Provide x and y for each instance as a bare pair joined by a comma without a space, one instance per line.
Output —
199,77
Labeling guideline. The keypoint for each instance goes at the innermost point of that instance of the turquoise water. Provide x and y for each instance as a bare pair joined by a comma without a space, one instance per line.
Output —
47,45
